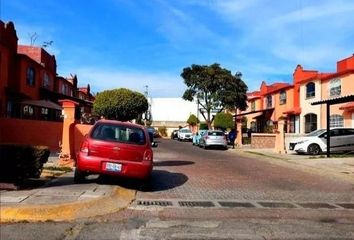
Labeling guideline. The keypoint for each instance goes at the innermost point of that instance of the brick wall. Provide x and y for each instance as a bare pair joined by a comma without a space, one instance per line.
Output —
262,140
32,132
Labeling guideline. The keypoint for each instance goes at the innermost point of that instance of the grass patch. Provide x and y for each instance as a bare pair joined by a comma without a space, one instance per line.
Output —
62,169
334,155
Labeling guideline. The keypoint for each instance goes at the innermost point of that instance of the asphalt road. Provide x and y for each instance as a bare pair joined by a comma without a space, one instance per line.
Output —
215,194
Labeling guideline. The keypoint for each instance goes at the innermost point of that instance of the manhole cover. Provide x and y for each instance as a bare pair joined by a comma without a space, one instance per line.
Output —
195,204
236,204
276,205
317,205
346,205
154,203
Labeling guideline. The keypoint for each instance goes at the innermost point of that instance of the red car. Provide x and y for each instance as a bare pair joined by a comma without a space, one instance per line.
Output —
115,148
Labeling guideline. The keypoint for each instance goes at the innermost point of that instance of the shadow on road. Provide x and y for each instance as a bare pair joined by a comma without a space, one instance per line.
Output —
163,180
172,163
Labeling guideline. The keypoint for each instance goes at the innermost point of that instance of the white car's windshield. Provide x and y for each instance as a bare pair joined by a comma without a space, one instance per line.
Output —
316,133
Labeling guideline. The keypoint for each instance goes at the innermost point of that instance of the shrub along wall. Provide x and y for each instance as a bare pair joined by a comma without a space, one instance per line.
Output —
33,132
19,162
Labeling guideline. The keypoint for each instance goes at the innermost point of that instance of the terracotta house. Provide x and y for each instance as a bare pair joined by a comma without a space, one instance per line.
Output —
30,87
293,102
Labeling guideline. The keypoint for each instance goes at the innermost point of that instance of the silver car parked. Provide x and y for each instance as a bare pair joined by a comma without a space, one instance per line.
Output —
213,138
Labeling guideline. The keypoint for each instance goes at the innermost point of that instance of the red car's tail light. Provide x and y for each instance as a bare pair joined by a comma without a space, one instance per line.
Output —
148,155
85,147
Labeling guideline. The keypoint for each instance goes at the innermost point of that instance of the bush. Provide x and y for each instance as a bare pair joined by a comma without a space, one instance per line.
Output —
19,162
224,121
203,126
162,131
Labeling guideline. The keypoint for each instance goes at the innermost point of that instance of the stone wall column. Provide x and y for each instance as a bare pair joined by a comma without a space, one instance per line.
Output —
280,138
68,123
238,140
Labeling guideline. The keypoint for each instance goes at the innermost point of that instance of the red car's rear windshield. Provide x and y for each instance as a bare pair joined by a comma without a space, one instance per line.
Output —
118,133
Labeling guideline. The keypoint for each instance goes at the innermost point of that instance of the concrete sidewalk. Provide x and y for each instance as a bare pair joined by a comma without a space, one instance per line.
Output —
60,199
337,167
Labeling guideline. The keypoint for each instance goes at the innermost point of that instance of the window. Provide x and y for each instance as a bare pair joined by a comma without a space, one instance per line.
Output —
310,90
253,126
336,120
253,106
30,77
9,109
282,97
348,131
310,122
64,89
46,80
292,124
335,87
269,101
119,133
28,111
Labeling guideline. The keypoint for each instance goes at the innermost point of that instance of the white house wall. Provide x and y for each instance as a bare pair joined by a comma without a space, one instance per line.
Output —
172,109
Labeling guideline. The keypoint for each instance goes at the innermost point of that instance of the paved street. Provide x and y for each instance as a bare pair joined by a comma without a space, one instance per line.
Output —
183,171
215,194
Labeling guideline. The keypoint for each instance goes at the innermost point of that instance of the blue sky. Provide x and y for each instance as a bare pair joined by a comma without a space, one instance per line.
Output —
132,43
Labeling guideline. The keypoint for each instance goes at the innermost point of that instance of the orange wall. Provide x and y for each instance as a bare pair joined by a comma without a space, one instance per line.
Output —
32,91
80,130
279,109
31,132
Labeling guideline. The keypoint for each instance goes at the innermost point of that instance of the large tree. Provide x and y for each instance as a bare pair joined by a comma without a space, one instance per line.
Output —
120,104
215,89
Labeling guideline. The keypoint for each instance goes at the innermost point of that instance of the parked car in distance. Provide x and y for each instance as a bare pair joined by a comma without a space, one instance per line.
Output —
151,137
197,136
184,134
174,134
115,148
341,139
154,131
214,138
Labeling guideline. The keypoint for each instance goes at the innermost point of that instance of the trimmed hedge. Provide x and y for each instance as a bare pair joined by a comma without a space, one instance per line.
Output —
19,162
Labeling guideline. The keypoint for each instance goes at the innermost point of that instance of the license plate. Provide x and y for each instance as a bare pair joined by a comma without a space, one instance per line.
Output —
114,167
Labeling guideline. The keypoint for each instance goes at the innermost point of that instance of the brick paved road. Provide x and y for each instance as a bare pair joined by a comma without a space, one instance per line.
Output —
183,171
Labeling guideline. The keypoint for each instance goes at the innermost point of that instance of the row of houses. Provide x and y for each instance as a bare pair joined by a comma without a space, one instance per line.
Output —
293,102
30,87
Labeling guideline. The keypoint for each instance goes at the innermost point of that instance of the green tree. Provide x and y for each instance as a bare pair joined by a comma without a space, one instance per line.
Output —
214,88
120,104
192,120
224,121
203,126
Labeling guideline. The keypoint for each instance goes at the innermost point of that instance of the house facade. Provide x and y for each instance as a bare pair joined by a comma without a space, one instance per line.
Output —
30,87
293,102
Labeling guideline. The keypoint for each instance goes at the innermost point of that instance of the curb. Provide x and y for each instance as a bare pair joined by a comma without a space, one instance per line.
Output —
286,162
119,199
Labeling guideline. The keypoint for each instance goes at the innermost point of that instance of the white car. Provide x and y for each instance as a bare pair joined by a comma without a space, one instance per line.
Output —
341,139
185,134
